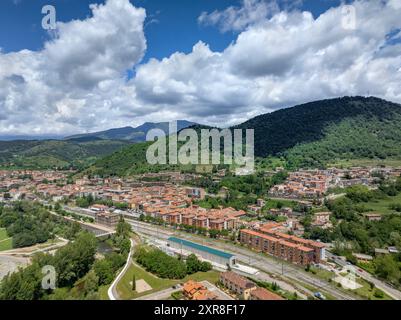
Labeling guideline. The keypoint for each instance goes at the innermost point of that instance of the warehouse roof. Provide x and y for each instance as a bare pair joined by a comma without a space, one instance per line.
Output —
200,247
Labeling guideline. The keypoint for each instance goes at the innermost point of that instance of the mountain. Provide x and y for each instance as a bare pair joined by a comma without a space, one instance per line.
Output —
55,153
308,135
28,137
319,132
137,134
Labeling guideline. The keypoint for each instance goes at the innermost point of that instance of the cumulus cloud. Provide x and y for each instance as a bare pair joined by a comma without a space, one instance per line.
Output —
78,83
289,58
79,75
250,12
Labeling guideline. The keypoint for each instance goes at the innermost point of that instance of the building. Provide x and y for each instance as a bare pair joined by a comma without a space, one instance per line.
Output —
107,219
221,258
197,193
238,284
373,216
283,246
196,291
363,257
321,218
263,294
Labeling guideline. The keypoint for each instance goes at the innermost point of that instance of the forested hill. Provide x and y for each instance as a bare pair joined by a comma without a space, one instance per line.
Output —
343,128
308,135
54,153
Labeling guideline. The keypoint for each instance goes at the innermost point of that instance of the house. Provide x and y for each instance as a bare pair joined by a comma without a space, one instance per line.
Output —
373,216
362,257
321,218
107,219
193,290
263,294
237,284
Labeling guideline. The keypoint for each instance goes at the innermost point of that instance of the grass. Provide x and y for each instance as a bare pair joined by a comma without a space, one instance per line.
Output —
6,243
124,287
103,292
366,163
367,292
210,276
321,273
383,205
3,234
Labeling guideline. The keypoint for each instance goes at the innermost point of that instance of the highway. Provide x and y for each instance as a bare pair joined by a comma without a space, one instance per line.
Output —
267,264
392,292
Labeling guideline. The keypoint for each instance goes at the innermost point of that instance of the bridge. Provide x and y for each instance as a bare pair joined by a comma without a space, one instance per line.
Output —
100,231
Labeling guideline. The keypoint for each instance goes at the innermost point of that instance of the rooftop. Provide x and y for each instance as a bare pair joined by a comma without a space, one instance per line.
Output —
201,247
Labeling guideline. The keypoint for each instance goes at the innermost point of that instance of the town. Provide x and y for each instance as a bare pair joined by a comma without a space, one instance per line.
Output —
158,205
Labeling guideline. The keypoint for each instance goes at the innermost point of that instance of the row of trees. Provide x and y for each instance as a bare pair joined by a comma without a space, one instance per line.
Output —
87,201
165,266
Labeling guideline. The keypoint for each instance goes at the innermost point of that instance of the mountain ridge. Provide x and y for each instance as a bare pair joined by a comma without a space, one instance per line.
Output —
133,134
306,135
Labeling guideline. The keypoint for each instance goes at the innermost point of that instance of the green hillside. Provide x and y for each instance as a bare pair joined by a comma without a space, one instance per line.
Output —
54,153
319,132
129,160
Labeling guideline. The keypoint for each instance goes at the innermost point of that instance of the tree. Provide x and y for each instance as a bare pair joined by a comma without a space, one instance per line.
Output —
73,261
104,271
387,268
123,228
133,282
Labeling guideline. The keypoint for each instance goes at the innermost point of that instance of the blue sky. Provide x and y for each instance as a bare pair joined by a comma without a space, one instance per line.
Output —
171,24
217,62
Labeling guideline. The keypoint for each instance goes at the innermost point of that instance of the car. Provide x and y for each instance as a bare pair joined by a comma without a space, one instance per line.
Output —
319,295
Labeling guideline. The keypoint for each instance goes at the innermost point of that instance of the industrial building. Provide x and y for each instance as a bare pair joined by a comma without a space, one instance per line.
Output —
217,257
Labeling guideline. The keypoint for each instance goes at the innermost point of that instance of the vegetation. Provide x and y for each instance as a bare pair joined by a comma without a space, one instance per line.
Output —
78,274
72,264
165,266
352,232
160,263
55,154
319,132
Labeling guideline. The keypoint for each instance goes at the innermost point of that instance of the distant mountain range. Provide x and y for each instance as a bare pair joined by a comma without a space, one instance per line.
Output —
45,154
78,151
131,134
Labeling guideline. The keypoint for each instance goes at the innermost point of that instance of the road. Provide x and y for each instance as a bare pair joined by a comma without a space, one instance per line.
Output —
112,291
159,295
264,263
394,293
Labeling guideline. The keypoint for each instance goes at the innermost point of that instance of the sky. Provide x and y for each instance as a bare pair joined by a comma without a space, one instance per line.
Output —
115,63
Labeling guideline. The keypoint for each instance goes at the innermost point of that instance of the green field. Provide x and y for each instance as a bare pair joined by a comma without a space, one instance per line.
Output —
368,292
5,240
366,163
383,205
124,287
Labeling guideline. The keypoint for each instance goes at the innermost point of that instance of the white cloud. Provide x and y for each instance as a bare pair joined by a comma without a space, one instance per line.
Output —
251,12
74,83
289,58
77,82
